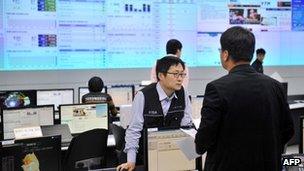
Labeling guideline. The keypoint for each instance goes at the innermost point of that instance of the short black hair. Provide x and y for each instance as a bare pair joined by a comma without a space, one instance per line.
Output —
260,51
95,84
173,45
163,64
239,42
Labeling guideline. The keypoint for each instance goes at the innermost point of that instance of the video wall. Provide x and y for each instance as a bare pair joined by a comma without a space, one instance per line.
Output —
90,34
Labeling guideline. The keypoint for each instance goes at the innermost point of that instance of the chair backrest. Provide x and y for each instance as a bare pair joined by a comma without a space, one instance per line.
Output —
119,136
87,150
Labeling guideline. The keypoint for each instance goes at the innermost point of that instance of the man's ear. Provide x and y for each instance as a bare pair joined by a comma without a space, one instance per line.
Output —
178,53
225,55
160,76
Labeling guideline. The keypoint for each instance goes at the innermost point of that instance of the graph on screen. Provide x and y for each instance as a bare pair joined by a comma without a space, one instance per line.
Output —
90,34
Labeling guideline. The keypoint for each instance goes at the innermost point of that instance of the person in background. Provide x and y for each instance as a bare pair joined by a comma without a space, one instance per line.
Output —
245,119
258,63
96,96
161,104
173,48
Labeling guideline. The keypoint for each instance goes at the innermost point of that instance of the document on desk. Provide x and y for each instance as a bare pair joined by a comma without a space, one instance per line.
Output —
296,105
196,122
187,145
191,132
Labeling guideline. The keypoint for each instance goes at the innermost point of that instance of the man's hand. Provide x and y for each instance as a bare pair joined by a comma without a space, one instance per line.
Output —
129,166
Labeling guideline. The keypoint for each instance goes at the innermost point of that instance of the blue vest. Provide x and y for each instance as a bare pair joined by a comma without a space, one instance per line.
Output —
153,113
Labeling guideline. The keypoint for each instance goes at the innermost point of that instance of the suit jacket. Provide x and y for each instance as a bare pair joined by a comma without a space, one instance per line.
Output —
258,66
245,122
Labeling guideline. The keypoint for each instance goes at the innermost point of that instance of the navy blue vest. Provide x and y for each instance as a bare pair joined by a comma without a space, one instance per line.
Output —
153,112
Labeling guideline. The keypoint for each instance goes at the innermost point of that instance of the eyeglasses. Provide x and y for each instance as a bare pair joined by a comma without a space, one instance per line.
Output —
176,74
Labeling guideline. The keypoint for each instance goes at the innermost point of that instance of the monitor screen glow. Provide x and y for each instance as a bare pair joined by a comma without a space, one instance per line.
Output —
84,117
96,35
56,97
25,117
121,95
18,98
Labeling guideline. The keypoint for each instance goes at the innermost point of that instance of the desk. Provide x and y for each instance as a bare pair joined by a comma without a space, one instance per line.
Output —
137,168
296,105
296,111
110,142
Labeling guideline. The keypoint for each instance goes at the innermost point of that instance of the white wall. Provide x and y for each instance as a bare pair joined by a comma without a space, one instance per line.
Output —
199,77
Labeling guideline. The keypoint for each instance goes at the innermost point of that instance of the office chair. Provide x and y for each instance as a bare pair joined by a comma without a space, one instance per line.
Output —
87,151
119,136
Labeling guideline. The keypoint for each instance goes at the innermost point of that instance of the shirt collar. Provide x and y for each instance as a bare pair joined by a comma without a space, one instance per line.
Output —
162,95
242,68
170,54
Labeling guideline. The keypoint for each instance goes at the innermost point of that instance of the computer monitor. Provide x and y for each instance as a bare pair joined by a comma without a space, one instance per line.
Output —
121,94
84,90
17,98
43,153
55,96
196,106
25,117
84,117
301,145
161,151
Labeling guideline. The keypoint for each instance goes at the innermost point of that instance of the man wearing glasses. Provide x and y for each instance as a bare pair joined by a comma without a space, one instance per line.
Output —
161,104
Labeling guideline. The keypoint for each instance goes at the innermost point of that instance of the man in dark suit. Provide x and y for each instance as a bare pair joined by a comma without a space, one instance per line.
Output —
245,115
258,63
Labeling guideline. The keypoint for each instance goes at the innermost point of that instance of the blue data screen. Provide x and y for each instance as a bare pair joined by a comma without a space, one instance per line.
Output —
90,34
